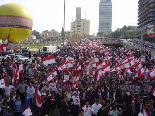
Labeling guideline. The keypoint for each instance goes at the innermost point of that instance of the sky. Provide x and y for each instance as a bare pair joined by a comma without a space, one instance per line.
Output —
48,14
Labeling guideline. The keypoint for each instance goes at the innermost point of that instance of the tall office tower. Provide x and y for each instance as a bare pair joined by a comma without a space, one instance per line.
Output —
146,13
78,13
105,16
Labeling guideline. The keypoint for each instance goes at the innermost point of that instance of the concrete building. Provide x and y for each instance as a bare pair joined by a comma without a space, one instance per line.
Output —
31,37
80,27
146,17
78,13
67,34
50,34
105,16
146,13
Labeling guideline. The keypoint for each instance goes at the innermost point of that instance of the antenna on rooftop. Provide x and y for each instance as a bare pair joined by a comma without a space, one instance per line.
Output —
85,14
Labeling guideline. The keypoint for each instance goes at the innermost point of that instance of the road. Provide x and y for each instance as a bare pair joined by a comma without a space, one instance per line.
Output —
130,45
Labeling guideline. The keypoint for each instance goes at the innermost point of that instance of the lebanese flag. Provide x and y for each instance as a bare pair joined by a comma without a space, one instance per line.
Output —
15,77
49,60
94,60
4,46
139,66
27,112
106,68
2,83
100,66
152,73
153,92
151,31
99,75
52,76
79,68
75,82
38,98
70,59
21,69
145,113
65,66
141,72
130,64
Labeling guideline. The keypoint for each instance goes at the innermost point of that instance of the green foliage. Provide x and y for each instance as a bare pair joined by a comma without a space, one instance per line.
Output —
38,46
125,32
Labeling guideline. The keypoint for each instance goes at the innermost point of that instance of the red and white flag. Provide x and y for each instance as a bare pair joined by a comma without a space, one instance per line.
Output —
130,64
65,66
27,112
141,72
2,83
138,67
52,76
38,98
21,69
49,60
145,113
15,77
75,82
79,68
152,73
4,46
153,92
99,75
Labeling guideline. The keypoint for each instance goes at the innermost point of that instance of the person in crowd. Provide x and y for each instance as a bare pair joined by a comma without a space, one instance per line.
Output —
87,109
63,107
103,111
52,101
96,106
76,103
6,113
18,106
114,112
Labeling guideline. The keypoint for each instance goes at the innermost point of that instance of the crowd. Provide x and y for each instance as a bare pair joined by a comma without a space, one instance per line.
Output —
87,79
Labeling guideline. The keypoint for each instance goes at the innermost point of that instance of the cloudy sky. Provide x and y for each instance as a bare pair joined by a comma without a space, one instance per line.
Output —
48,14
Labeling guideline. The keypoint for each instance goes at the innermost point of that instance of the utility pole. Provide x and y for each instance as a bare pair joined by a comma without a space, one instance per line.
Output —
63,28
142,38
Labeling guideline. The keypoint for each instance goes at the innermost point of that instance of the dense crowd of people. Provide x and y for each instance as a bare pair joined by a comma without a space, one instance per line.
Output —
87,79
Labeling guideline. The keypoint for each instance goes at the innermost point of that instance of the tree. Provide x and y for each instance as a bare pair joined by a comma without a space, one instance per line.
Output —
37,34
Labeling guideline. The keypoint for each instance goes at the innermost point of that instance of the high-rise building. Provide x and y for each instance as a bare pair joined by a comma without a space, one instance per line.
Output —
80,27
146,13
78,13
105,16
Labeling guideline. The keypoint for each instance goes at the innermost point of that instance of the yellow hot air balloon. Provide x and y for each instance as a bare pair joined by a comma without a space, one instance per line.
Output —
16,20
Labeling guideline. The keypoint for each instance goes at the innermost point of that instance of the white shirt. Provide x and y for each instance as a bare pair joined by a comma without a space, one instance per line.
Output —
96,108
76,100
8,89
87,111
30,91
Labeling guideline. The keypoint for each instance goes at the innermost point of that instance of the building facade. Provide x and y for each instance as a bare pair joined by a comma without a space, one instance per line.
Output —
146,17
146,13
105,16
50,34
80,28
78,13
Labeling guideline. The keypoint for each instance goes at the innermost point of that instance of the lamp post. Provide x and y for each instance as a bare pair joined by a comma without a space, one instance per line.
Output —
63,28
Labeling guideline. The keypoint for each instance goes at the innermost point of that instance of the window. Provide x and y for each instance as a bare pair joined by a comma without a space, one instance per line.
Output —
78,25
